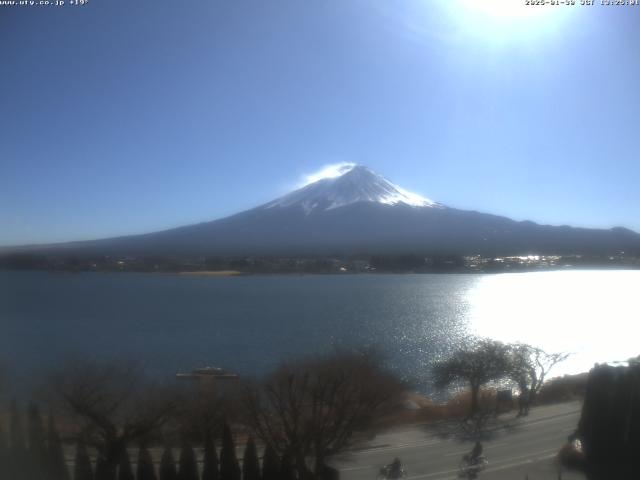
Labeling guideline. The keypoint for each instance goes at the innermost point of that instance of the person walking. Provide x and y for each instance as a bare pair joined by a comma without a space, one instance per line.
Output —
523,401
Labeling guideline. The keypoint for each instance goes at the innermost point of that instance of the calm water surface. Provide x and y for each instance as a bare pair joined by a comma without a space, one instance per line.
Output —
249,324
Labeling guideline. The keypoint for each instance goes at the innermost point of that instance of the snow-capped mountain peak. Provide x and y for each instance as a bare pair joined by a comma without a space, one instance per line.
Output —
352,184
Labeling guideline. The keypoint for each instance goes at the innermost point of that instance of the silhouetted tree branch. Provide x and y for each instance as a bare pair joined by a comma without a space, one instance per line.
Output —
311,410
483,361
530,367
114,407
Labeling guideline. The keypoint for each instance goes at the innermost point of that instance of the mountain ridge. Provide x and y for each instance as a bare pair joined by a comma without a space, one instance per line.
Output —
355,211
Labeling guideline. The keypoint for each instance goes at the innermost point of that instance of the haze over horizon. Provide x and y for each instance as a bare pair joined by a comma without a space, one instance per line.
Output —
132,117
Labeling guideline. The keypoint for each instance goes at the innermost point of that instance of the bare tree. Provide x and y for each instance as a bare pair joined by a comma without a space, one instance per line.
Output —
312,409
530,367
483,361
113,406
202,410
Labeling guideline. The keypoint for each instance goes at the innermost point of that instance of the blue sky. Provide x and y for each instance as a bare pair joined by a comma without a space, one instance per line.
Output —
131,116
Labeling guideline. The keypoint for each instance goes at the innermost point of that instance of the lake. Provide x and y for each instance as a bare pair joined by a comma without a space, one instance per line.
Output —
248,324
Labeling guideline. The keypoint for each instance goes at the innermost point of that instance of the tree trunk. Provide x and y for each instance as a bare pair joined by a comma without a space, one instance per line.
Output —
301,466
475,401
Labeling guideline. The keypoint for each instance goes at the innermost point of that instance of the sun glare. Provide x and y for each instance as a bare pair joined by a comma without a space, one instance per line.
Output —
504,9
561,311
504,20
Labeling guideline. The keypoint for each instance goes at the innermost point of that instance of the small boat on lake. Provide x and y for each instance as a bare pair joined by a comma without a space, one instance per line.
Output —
214,373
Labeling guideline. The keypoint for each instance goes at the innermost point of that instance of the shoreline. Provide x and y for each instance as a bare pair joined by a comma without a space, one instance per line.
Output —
232,273
208,273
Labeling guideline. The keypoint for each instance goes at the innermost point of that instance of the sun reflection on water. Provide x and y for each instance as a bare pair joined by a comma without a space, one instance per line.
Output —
593,314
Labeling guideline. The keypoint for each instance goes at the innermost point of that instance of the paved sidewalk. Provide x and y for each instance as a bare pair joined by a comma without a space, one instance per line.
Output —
519,448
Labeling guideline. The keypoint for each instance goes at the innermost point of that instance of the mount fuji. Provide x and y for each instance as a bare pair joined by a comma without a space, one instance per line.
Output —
357,211
349,184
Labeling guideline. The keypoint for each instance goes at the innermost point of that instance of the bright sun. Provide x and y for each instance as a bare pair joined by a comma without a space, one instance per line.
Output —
504,19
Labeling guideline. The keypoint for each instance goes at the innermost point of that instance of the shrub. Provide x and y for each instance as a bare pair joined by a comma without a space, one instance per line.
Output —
562,389
229,468
125,472
286,468
168,465
82,465
210,461
57,464
188,465
270,464
145,469
250,463
37,445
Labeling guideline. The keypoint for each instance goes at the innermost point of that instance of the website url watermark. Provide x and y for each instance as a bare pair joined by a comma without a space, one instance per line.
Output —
43,3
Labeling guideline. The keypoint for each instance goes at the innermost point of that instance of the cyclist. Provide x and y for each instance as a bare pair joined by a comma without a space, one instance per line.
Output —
476,453
392,471
472,463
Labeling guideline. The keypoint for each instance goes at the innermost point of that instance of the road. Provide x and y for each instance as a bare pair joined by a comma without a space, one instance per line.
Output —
518,449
